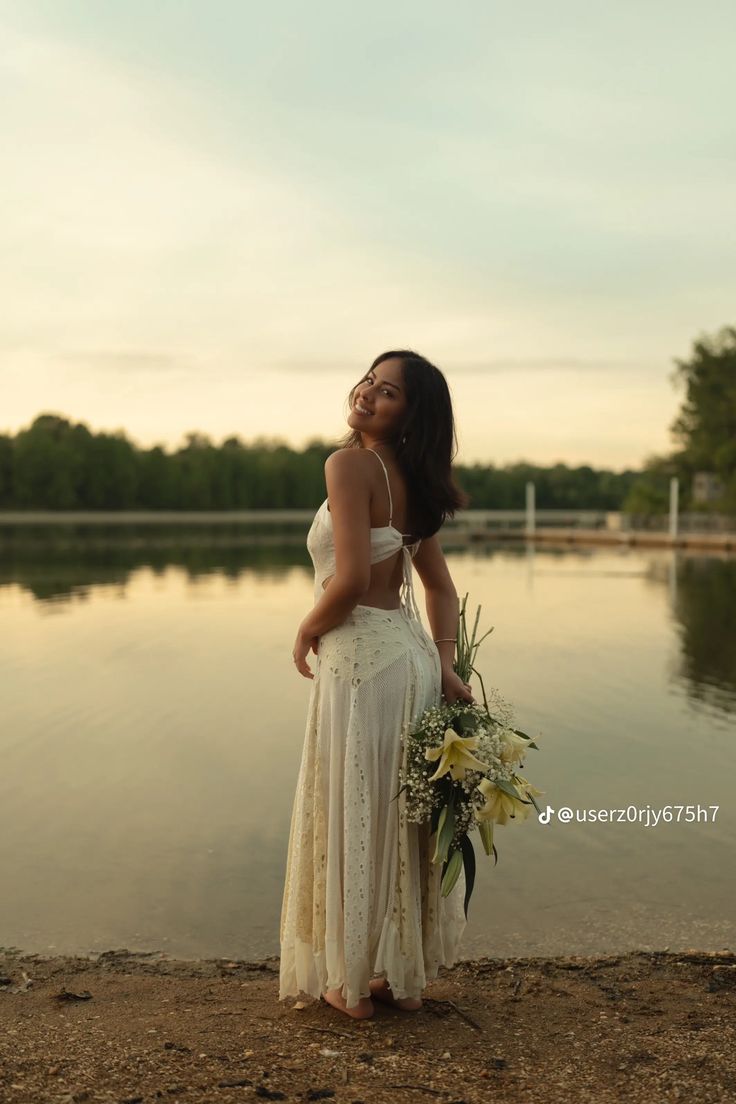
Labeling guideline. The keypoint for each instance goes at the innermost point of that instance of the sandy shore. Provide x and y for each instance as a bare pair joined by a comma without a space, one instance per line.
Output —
143,1027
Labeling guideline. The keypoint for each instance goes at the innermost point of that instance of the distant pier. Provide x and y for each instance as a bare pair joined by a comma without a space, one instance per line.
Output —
560,527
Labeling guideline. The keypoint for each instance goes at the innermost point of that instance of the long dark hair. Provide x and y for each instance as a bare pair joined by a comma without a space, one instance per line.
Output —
424,444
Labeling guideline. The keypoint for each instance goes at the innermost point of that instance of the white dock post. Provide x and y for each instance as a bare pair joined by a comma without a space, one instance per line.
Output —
674,485
530,521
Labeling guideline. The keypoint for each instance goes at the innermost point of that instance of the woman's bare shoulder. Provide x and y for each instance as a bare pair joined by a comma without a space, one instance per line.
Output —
340,455
345,461
347,470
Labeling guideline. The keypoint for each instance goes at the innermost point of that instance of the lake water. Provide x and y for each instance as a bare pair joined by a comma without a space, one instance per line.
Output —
151,726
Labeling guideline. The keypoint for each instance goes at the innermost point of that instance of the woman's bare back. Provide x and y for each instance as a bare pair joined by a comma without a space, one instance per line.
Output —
386,576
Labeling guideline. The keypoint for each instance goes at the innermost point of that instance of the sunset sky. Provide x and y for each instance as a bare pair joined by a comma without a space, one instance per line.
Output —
215,215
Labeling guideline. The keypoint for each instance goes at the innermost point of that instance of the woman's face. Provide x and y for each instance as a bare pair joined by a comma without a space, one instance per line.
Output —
381,392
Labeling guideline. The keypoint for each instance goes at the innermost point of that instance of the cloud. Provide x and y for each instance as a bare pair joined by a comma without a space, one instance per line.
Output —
127,363
117,223
210,216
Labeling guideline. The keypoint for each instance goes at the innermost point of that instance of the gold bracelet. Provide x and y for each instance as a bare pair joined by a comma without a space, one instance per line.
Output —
452,638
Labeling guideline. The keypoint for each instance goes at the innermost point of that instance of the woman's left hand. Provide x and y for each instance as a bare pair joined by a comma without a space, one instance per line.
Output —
302,645
454,688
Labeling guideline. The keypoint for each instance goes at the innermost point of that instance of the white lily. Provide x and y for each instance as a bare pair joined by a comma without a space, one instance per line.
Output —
454,754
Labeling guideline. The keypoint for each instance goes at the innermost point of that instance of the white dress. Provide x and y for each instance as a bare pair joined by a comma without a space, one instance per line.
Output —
361,895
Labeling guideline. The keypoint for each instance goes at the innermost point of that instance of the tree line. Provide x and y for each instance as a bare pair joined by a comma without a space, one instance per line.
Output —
58,464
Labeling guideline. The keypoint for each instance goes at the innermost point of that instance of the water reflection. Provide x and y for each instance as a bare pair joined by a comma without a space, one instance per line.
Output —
704,610
66,560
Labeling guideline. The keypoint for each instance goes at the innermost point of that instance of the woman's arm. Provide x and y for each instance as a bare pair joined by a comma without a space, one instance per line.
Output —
443,611
443,605
348,482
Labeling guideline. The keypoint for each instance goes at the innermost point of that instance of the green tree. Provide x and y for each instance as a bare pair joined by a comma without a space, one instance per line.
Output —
6,472
47,465
649,492
705,428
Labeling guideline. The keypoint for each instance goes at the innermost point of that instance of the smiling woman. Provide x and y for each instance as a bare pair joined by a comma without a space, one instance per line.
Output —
362,913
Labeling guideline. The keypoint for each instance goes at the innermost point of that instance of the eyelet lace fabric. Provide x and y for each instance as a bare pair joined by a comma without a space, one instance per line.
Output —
361,895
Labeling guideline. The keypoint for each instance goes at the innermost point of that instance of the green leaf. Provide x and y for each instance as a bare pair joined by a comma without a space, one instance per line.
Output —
434,819
452,872
438,830
508,789
444,834
445,787
402,788
525,736
485,831
465,723
469,861
534,802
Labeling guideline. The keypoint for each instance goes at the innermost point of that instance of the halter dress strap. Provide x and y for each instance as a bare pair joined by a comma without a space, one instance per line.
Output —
388,488
390,501
408,598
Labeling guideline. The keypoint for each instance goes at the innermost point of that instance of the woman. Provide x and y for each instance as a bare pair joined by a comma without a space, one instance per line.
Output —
362,915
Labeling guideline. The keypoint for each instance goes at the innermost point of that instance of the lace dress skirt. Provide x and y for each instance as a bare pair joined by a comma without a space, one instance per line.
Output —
361,895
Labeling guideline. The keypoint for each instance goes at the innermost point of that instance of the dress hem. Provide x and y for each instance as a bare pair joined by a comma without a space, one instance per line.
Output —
303,971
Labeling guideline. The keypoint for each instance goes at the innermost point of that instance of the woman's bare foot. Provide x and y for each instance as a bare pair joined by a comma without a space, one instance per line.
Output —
361,1011
381,990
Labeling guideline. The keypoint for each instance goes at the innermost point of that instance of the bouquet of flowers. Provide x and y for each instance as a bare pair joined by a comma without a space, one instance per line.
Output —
477,781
